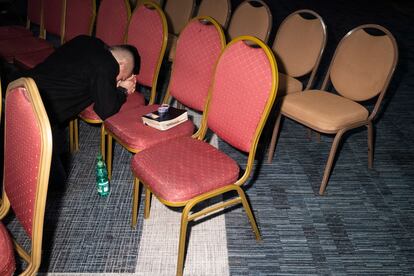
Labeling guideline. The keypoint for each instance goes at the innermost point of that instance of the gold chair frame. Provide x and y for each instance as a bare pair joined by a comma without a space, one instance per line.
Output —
187,216
34,257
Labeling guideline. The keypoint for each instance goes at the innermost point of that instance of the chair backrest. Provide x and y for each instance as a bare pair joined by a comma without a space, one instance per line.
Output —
251,17
112,21
148,32
178,13
198,48
243,92
140,2
363,63
27,157
80,17
53,16
34,12
299,44
220,10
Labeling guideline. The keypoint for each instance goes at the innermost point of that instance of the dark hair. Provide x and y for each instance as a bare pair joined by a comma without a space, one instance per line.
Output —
134,53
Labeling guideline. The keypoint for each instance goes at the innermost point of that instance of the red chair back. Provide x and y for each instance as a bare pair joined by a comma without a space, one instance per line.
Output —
198,48
80,16
244,80
112,21
148,31
34,8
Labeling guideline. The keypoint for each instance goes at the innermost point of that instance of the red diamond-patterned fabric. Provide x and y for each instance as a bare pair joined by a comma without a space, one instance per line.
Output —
198,48
11,47
7,261
183,168
10,32
52,16
133,101
112,21
79,16
129,129
30,60
242,84
22,152
145,32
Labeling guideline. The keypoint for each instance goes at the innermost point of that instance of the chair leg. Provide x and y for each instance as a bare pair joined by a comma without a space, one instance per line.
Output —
76,134
370,130
71,130
271,149
182,242
329,163
147,203
249,213
135,202
103,145
109,156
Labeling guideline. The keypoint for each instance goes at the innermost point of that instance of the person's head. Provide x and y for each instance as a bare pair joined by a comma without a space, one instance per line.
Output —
128,60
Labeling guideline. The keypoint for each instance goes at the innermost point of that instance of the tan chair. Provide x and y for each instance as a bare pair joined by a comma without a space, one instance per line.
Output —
299,44
27,158
360,70
220,10
251,17
178,13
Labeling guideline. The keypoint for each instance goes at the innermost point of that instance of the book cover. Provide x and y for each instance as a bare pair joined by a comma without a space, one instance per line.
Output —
165,121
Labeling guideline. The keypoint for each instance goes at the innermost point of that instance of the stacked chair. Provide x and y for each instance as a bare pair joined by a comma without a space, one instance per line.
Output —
78,19
34,17
360,70
251,17
53,12
27,158
198,48
187,171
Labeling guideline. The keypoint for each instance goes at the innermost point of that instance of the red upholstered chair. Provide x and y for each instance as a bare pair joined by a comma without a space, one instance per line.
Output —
360,70
79,19
52,22
147,31
186,171
111,25
34,15
27,157
198,48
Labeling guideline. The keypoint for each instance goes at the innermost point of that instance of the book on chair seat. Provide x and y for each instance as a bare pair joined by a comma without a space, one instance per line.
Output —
166,121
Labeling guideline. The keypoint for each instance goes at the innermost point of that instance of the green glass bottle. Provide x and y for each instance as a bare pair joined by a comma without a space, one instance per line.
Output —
102,181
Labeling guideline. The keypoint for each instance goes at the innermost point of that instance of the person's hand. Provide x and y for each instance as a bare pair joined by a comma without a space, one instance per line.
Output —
128,84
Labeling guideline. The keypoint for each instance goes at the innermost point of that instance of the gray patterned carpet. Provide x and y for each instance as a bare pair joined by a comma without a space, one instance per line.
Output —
364,225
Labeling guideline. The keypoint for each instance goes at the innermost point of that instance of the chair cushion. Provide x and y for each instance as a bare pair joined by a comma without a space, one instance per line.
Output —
134,100
30,60
11,47
183,168
128,128
7,261
323,111
288,85
9,32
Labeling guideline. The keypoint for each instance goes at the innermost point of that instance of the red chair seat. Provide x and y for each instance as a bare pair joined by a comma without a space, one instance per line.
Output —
10,32
128,128
7,261
193,175
11,47
133,101
30,60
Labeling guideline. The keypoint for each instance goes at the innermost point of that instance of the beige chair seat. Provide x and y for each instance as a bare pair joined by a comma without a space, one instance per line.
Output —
288,85
323,111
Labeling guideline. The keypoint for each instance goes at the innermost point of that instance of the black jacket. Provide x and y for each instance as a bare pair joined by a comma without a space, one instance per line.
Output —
80,72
